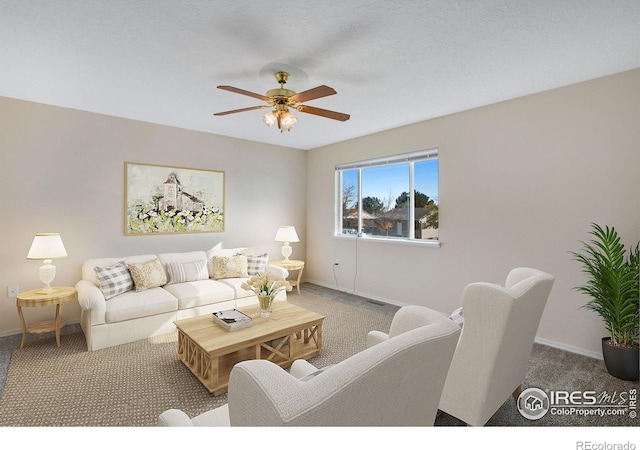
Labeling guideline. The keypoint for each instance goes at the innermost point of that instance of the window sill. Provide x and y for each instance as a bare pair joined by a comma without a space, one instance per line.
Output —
397,241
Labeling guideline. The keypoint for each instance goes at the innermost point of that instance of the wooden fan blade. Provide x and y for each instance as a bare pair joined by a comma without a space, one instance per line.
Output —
323,112
312,94
251,108
243,92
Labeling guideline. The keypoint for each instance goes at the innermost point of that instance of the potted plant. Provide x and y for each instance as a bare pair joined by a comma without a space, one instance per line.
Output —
614,287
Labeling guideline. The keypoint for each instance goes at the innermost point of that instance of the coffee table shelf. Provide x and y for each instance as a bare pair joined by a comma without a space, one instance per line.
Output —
210,351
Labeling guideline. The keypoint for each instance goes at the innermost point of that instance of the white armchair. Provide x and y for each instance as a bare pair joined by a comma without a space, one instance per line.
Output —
398,382
490,361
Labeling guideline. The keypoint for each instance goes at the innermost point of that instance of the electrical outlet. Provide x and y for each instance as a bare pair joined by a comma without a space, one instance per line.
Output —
336,262
12,291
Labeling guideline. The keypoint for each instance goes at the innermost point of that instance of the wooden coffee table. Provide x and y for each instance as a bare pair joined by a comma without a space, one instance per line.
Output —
210,351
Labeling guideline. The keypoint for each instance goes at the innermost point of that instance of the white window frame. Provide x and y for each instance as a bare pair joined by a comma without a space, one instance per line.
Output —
409,158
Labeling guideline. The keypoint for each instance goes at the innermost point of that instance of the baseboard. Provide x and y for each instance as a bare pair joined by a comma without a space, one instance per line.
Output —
359,294
542,341
568,348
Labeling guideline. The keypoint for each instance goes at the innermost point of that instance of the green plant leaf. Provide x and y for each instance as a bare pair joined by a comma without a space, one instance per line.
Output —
613,283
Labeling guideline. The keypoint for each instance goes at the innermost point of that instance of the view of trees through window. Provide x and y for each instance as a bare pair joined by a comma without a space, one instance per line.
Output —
391,199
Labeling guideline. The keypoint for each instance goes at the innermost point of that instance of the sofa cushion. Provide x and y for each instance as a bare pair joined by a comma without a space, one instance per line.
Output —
148,274
236,285
189,271
134,305
114,279
229,266
198,293
257,263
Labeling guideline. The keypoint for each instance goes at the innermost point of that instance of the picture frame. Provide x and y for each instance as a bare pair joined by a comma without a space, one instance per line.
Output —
162,199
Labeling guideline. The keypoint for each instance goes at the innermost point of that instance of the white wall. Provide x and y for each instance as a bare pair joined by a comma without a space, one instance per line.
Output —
520,183
62,170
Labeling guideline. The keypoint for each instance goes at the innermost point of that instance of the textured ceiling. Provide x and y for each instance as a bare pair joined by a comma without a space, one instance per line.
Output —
392,62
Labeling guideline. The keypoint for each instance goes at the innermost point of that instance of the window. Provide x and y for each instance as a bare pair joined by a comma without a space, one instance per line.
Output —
394,197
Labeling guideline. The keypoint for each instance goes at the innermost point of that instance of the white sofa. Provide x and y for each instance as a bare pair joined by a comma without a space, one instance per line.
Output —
134,315
397,382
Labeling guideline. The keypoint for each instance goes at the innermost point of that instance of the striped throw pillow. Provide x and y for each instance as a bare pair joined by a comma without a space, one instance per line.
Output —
189,271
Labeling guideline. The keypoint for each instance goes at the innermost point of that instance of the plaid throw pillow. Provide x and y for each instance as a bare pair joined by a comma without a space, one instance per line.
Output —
114,279
257,263
190,271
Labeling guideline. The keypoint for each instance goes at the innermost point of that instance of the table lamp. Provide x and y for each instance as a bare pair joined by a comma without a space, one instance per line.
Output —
47,246
286,234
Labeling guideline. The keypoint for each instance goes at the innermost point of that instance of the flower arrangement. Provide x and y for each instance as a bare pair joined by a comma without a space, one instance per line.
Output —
266,284
151,219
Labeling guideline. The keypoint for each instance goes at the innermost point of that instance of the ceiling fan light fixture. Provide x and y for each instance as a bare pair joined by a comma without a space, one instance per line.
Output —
269,118
287,120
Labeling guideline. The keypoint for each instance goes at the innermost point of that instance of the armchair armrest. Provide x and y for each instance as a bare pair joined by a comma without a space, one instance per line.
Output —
261,393
301,368
174,418
217,417
407,318
376,337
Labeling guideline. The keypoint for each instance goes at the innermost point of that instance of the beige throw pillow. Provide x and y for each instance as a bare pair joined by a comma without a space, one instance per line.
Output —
229,267
147,275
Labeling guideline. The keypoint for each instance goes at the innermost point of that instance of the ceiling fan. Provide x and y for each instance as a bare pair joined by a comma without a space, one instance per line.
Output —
282,99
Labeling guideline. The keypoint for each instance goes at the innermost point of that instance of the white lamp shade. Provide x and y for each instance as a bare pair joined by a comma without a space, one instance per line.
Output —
287,234
47,246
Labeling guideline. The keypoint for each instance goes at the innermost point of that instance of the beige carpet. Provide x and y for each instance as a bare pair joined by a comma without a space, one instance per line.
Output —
131,384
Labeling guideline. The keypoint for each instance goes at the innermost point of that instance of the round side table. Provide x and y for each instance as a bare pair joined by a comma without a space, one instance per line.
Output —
293,264
36,297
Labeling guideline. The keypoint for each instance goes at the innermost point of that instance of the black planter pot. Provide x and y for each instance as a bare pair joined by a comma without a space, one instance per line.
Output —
621,362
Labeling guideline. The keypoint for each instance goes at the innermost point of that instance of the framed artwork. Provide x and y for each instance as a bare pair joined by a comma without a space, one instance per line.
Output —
165,199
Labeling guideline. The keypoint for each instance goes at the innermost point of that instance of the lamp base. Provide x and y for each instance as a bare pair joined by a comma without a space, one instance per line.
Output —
47,274
286,251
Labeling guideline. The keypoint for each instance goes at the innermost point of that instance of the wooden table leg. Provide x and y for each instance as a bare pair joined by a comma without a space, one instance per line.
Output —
299,277
58,311
319,336
24,326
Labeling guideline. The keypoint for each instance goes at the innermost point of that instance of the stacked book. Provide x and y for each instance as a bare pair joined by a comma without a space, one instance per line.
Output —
231,319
